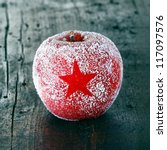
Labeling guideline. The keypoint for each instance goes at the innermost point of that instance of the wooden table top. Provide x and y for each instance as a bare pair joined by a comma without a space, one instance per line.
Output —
25,124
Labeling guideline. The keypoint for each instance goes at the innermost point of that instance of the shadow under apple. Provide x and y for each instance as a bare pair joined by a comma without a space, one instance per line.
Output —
100,133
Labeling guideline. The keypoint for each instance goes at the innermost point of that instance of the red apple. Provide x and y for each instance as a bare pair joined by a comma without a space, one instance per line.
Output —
77,74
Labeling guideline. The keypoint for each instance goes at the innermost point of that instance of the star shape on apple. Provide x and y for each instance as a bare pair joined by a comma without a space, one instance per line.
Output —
78,81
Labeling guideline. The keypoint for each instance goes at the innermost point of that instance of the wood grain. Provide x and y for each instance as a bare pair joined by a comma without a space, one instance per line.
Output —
25,123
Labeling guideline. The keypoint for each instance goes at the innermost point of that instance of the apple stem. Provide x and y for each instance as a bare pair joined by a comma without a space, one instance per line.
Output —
72,37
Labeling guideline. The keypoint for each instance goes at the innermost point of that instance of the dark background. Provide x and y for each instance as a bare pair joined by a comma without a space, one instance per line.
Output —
25,124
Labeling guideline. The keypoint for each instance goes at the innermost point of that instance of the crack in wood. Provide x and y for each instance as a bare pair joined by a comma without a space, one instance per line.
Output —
5,61
13,110
6,32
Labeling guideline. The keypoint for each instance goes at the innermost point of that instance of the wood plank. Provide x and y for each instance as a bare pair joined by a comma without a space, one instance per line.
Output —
26,124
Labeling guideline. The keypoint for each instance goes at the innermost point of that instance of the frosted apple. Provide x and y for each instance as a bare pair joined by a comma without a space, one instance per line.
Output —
77,74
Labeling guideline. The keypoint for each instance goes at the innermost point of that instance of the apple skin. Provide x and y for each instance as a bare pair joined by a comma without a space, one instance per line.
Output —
94,54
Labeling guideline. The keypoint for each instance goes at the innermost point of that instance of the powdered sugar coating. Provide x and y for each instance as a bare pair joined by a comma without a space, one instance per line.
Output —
95,54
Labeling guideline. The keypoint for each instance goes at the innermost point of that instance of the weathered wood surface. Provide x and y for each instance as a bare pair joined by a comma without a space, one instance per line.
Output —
25,124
